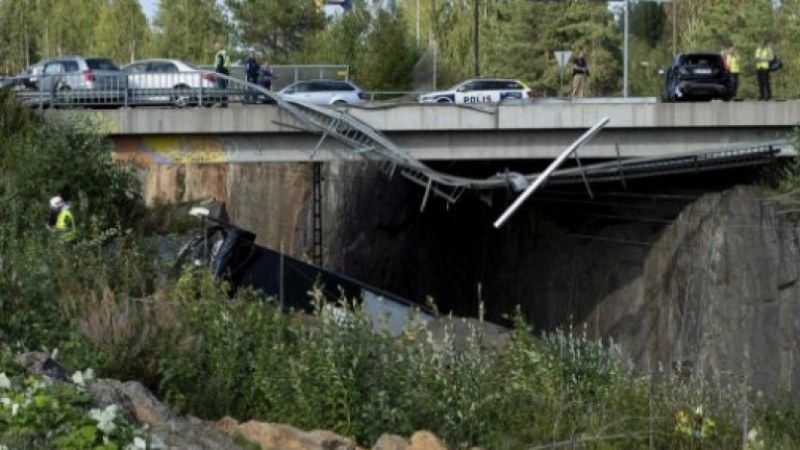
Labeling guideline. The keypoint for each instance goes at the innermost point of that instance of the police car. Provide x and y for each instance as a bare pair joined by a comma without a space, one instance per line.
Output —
480,90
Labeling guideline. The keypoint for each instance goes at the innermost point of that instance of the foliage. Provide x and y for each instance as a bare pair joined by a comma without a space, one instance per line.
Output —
277,28
122,32
68,157
188,30
37,412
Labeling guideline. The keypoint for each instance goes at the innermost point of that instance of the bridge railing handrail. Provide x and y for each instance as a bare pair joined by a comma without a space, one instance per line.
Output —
195,88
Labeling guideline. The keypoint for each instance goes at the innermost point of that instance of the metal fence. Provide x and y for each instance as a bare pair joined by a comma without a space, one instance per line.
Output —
285,75
115,89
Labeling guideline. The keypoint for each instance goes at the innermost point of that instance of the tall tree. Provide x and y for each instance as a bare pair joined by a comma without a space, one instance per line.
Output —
19,33
122,31
277,27
389,54
68,27
647,21
188,29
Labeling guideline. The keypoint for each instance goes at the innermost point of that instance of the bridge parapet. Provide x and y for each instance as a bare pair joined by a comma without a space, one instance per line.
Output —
537,130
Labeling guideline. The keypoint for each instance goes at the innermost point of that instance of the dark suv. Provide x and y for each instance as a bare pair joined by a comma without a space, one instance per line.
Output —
697,76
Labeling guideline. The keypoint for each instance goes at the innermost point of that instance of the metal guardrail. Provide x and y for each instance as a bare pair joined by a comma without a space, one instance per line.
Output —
285,75
116,89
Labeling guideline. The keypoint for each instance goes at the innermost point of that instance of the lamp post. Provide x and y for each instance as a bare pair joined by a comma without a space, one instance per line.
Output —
625,39
475,37
625,52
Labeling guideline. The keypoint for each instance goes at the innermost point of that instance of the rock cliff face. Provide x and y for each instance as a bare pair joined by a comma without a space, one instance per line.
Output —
705,281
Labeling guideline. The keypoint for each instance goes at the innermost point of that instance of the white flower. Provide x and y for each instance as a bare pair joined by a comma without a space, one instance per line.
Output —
14,409
752,435
77,378
138,444
5,383
105,418
54,354
81,378
699,410
5,401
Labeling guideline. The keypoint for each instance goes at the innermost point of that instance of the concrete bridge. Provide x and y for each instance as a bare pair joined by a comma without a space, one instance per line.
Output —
536,130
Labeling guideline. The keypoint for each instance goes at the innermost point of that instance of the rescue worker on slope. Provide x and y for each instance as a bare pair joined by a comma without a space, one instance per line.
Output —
60,219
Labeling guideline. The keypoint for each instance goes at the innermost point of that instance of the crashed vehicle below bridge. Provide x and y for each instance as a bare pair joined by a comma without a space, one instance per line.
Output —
232,255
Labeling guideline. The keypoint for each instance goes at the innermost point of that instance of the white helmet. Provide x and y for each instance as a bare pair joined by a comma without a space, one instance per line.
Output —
56,202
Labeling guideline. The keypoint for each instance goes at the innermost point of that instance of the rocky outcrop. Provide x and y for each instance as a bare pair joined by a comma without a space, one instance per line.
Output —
138,405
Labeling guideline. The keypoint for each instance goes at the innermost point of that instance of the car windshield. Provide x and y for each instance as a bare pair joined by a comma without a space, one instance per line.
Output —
707,60
101,64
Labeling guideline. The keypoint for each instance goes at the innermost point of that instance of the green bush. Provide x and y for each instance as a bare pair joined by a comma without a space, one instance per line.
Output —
36,412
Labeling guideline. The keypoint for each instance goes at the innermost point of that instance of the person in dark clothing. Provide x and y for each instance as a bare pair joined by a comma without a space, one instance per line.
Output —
265,76
222,64
251,67
580,70
251,70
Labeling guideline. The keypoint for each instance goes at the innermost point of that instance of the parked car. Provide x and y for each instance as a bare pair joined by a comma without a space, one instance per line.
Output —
169,81
324,92
79,79
29,78
697,76
480,90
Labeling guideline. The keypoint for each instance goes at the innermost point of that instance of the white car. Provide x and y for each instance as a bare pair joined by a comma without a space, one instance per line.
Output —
324,92
480,90
168,81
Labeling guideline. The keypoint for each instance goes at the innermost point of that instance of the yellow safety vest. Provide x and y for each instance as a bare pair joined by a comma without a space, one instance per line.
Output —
763,57
226,60
733,63
65,224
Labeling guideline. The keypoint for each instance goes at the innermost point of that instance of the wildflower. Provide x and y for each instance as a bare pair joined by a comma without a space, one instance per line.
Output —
105,418
138,444
5,383
5,401
753,442
81,378
14,409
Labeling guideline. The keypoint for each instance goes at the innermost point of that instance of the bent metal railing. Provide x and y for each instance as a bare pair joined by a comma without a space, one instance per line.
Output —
204,88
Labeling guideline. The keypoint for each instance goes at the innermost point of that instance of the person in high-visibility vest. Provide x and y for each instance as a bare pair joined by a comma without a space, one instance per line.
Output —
222,64
61,220
732,63
763,57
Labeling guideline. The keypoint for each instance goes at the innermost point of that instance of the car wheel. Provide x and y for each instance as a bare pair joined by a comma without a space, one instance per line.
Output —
63,91
340,102
181,100
443,100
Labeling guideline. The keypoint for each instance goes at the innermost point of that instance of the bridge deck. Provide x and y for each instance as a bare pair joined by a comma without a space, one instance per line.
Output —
534,130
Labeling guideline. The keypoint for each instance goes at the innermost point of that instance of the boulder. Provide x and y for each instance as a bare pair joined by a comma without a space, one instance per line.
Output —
390,442
275,436
425,440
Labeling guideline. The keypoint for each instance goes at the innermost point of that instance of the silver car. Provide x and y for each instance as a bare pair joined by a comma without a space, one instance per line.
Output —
168,81
79,79
324,92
